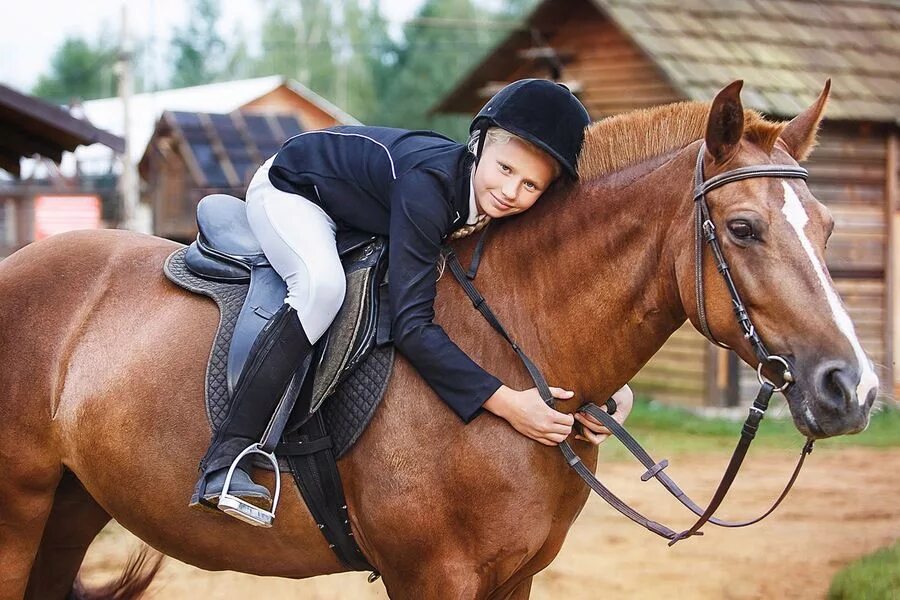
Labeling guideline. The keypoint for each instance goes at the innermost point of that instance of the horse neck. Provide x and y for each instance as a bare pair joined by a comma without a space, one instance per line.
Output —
591,273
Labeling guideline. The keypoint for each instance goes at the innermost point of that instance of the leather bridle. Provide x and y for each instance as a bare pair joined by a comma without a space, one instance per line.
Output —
704,230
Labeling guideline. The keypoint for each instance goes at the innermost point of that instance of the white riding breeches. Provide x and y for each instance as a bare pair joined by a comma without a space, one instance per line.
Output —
298,238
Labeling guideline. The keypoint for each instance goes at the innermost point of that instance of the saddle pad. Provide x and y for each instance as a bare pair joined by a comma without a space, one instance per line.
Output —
346,412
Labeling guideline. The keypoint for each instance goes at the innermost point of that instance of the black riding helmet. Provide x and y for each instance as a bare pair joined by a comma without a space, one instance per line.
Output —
545,113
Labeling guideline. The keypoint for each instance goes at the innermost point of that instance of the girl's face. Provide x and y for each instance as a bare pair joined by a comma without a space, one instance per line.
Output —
511,177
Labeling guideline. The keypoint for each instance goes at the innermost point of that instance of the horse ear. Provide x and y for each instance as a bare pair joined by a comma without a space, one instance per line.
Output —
725,125
799,136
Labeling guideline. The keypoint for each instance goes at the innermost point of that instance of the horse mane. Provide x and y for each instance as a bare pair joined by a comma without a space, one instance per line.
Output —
622,140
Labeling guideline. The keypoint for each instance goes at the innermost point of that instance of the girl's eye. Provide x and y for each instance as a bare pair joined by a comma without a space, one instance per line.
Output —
503,168
530,186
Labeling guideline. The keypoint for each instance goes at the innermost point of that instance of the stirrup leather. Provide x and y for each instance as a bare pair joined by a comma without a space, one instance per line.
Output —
242,510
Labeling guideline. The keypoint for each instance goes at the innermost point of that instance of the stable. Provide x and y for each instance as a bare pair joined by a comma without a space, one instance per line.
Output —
622,55
30,126
211,139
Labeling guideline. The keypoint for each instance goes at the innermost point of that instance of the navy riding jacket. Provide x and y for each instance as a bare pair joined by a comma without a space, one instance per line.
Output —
412,186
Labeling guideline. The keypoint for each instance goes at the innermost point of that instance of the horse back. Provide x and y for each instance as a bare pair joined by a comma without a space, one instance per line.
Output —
73,309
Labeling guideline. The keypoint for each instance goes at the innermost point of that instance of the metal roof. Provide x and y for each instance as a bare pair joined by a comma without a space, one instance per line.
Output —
224,150
29,125
224,97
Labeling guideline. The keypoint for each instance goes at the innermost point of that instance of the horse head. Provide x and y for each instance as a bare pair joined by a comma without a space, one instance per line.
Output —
773,234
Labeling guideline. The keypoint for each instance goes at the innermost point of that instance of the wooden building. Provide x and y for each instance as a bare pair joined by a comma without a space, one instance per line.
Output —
621,55
191,154
32,127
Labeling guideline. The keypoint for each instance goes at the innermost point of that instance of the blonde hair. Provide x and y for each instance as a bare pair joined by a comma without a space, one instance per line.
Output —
496,135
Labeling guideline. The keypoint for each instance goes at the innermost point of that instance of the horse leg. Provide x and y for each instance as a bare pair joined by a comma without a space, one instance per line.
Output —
75,520
27,498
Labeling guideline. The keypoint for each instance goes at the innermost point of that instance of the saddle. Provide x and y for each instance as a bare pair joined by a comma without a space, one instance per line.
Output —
226,251
352,361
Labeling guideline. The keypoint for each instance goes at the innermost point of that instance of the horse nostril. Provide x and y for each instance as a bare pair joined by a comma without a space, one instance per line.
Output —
870,398
836,384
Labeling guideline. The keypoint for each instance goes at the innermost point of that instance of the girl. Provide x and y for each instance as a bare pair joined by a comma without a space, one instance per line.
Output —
416,187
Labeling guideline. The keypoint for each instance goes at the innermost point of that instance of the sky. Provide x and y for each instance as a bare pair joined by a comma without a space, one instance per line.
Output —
33,29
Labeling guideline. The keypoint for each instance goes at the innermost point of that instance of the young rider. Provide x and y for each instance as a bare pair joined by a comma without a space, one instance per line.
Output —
417,188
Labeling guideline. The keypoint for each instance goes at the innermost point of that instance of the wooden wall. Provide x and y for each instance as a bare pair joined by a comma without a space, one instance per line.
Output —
166,191
614,74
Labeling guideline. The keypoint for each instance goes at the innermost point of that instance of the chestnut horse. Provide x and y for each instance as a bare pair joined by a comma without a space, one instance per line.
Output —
103,363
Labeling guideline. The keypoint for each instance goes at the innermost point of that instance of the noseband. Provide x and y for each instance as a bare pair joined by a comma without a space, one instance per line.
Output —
704,230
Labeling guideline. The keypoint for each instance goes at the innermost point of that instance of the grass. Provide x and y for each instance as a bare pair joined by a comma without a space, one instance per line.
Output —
873,577
663,429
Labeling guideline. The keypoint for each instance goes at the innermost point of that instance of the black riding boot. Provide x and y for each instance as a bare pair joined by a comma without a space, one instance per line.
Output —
279,351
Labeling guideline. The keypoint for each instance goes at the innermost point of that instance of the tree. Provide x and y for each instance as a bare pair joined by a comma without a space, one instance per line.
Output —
361,62
518,8
440,44
79,70
298,38
198,46
239,64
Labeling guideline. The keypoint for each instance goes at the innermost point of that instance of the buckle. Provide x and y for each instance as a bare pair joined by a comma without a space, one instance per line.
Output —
244,511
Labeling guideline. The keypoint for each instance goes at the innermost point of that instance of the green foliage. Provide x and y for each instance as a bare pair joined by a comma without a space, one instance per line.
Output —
299,39
442,43
873,577
196,48
361,63
517,8
79,70
341,49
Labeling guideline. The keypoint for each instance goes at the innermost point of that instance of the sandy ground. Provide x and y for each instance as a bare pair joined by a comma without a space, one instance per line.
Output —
845,504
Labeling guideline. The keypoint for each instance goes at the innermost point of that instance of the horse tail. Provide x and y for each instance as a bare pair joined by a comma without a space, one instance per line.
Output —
131,584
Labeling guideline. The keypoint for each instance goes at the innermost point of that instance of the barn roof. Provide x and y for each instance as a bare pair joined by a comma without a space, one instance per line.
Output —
221,97
29,125
784,50
221,150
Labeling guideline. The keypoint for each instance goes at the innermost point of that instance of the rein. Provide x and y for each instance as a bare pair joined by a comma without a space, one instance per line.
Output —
705,230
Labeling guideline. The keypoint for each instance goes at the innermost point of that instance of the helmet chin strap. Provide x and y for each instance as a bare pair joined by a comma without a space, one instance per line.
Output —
482,135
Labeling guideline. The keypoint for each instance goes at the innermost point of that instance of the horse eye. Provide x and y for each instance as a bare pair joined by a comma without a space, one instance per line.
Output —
741,230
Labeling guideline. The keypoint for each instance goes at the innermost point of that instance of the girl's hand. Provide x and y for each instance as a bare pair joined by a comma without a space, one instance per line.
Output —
594,432
530,416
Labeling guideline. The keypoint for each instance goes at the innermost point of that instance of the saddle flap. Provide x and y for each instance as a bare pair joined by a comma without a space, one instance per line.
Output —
223,225
214,268
353,334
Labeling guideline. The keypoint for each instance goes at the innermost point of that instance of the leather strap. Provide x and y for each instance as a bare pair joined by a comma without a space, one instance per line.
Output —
308,452
705,229
655,469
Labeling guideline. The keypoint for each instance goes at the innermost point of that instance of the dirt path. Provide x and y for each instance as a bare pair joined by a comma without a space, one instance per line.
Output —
846,504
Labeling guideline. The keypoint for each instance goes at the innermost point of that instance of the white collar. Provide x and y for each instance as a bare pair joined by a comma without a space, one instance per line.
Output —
473,207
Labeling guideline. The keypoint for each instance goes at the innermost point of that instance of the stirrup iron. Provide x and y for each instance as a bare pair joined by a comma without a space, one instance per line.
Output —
242,510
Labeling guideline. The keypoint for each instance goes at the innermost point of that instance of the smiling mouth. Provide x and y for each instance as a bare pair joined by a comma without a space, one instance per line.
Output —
501,202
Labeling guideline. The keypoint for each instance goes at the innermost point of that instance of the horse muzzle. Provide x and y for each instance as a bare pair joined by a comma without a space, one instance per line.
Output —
825,400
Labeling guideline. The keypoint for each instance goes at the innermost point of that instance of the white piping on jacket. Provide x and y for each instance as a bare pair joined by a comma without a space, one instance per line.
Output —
365,137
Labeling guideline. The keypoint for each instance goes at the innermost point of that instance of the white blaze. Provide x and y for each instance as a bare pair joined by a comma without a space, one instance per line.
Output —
796,215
